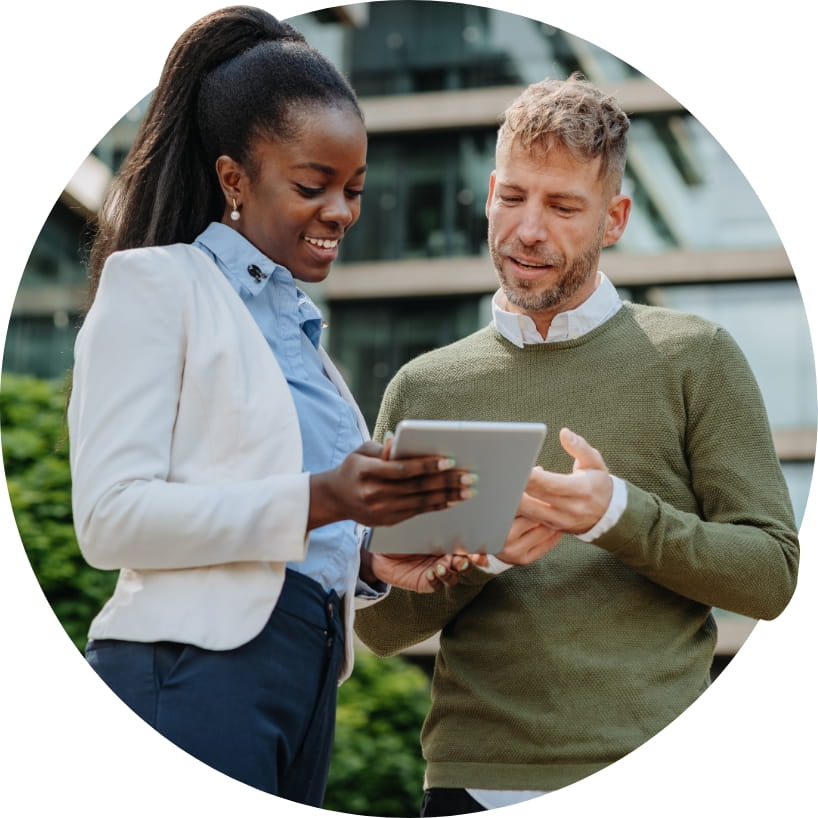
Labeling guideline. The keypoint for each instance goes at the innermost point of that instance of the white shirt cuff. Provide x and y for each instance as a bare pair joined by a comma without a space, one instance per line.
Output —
616,508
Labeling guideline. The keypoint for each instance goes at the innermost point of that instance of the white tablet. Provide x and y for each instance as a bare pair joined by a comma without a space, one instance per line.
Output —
501,454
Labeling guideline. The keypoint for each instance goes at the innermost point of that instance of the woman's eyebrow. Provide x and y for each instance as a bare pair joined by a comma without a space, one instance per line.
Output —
327,169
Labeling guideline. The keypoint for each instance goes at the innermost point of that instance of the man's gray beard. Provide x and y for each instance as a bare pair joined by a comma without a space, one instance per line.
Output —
574,276
519,293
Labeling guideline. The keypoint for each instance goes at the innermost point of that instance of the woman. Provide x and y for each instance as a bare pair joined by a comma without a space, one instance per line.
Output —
218,459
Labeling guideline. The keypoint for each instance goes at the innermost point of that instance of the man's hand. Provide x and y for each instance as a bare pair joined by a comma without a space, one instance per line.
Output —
571,503
527,541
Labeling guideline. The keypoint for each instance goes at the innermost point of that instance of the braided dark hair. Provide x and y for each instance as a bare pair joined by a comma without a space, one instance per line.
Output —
233,76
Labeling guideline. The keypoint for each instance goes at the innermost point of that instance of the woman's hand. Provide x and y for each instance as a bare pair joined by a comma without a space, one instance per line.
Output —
376,491
417,572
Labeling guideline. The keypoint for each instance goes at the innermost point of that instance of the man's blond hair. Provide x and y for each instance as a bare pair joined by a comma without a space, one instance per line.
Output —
573,114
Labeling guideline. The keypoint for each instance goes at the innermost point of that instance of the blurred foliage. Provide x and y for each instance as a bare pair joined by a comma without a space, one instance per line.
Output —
35,455
377,768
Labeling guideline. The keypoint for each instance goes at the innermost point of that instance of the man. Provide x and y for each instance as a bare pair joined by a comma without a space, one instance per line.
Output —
661,488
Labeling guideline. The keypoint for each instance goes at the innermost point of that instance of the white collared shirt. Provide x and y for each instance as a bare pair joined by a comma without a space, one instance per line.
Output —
601,305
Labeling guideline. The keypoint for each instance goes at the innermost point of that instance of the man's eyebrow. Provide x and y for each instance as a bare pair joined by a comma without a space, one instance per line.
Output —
558,195
326,169
568,196
512,185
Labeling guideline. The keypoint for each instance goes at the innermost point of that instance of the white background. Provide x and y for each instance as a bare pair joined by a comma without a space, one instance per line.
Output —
746,748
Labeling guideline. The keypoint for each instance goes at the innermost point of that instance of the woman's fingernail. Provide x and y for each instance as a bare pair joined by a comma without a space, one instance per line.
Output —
445,463
430,575
440,570
462,565
467,494
469,479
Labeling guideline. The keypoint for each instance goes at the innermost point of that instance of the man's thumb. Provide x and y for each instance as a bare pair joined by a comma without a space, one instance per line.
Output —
585,456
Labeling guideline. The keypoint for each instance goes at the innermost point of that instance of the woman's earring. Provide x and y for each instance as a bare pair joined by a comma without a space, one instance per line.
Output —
234,213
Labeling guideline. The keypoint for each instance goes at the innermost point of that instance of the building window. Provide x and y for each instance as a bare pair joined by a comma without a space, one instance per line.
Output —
425,197
369,341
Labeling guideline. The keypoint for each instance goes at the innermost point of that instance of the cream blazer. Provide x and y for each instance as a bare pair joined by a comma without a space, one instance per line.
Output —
185,455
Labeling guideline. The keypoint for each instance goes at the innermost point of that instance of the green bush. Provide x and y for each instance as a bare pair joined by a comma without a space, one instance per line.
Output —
376,768
35,455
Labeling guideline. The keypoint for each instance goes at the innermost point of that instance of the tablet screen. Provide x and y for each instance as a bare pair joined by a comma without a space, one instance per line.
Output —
501,454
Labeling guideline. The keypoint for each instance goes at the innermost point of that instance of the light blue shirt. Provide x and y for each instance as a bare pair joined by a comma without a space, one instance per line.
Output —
292,324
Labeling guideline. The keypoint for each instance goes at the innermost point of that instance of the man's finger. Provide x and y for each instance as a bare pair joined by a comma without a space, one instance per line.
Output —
548,484
531,508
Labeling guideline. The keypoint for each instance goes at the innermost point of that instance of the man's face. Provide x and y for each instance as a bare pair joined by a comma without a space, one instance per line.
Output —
549,217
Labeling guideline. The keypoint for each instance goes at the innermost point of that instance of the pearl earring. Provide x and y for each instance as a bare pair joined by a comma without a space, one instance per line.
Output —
234,213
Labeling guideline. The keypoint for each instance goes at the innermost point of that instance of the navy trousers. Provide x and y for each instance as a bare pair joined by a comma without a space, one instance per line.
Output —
262,713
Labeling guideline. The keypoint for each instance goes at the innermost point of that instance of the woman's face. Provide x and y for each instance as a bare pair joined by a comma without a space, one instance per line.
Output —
306,192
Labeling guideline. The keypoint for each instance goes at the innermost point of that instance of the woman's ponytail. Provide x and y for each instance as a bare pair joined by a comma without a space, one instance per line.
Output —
166,190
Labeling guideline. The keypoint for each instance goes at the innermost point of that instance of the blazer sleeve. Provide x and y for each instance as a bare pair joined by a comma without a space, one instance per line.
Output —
128,512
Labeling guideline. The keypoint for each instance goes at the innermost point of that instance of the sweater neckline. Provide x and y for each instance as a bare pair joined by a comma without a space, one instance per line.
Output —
569,343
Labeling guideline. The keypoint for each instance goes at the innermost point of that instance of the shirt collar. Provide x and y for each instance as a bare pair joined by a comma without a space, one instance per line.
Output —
248,269
601,305
244,265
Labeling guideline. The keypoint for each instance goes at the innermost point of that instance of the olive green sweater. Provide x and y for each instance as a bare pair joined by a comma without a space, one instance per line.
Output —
549,672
